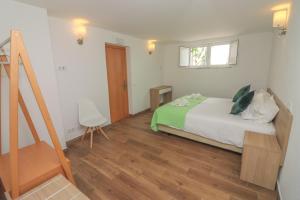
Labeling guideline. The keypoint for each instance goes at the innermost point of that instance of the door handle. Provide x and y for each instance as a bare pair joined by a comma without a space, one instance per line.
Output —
124,85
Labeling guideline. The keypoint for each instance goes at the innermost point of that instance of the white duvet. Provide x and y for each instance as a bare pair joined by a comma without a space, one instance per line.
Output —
211,119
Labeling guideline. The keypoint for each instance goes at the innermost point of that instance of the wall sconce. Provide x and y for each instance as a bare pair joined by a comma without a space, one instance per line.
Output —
80,29
151,46
280,21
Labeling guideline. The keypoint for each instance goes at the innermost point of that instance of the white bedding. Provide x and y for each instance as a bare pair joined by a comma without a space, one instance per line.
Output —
211,119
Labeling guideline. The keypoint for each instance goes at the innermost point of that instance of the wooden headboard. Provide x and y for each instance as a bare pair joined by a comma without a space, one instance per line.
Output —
283,125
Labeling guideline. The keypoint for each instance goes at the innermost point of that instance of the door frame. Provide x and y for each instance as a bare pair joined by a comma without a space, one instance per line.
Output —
127,80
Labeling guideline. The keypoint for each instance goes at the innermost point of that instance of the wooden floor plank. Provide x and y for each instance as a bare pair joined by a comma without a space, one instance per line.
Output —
137,163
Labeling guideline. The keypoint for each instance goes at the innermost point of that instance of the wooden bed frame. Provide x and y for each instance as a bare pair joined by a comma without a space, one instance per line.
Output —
282,122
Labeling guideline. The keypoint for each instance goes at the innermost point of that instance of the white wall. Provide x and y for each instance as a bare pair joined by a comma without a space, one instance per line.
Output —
86,76
284,80
33,22
253,66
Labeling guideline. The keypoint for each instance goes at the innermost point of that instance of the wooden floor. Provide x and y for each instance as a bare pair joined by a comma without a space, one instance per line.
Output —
139,164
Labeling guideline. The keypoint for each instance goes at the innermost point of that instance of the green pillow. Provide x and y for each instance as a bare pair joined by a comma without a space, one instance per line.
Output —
241,92
242,103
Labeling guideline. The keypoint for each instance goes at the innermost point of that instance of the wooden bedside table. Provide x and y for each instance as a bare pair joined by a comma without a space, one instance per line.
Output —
261,159
156,93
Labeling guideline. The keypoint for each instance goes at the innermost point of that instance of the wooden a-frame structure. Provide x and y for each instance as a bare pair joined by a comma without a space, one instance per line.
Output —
22,169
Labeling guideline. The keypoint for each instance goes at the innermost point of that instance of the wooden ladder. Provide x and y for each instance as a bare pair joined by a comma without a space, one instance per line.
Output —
22,169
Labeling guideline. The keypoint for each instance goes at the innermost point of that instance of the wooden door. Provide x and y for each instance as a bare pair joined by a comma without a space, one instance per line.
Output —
117,81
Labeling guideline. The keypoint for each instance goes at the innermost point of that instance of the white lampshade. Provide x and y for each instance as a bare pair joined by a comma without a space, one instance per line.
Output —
80,29
151,46
280,19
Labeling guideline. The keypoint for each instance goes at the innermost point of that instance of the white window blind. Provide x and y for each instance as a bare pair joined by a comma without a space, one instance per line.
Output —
233,53
184,57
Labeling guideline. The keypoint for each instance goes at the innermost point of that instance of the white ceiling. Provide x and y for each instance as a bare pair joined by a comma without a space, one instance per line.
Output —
168,20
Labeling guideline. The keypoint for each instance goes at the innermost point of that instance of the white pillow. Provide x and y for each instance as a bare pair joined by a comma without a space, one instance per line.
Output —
268,110
263,108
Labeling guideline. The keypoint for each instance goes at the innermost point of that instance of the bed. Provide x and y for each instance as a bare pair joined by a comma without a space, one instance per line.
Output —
209,122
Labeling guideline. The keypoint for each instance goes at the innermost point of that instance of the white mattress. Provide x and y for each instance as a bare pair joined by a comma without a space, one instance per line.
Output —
211,119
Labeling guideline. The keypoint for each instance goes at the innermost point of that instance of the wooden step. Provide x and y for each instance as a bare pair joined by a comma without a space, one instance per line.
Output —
57,188
37,164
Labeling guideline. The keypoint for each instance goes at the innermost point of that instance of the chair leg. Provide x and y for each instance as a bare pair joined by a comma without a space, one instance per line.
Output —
86,131
91,142
102,132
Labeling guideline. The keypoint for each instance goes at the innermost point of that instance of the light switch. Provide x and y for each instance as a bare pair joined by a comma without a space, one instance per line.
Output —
62,68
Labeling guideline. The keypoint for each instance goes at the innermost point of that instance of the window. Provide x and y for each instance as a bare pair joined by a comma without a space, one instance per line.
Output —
198,56
221,55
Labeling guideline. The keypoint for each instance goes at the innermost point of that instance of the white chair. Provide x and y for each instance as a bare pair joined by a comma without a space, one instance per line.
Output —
91,118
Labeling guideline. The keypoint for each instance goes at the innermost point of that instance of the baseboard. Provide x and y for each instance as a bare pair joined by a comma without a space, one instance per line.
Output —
69,142
76,138
279,192
138,113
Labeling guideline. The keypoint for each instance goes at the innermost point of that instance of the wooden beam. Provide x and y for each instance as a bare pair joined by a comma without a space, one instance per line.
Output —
13,114
5,42
22,103
0,107
42,106
28,119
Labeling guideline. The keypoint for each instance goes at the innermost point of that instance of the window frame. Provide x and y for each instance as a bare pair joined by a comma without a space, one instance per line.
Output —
208,57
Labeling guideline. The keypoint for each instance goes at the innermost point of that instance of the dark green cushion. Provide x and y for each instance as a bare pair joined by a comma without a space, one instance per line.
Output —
241,92
242,103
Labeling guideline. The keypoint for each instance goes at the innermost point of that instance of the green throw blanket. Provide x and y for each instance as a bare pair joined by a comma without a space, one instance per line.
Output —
174,116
